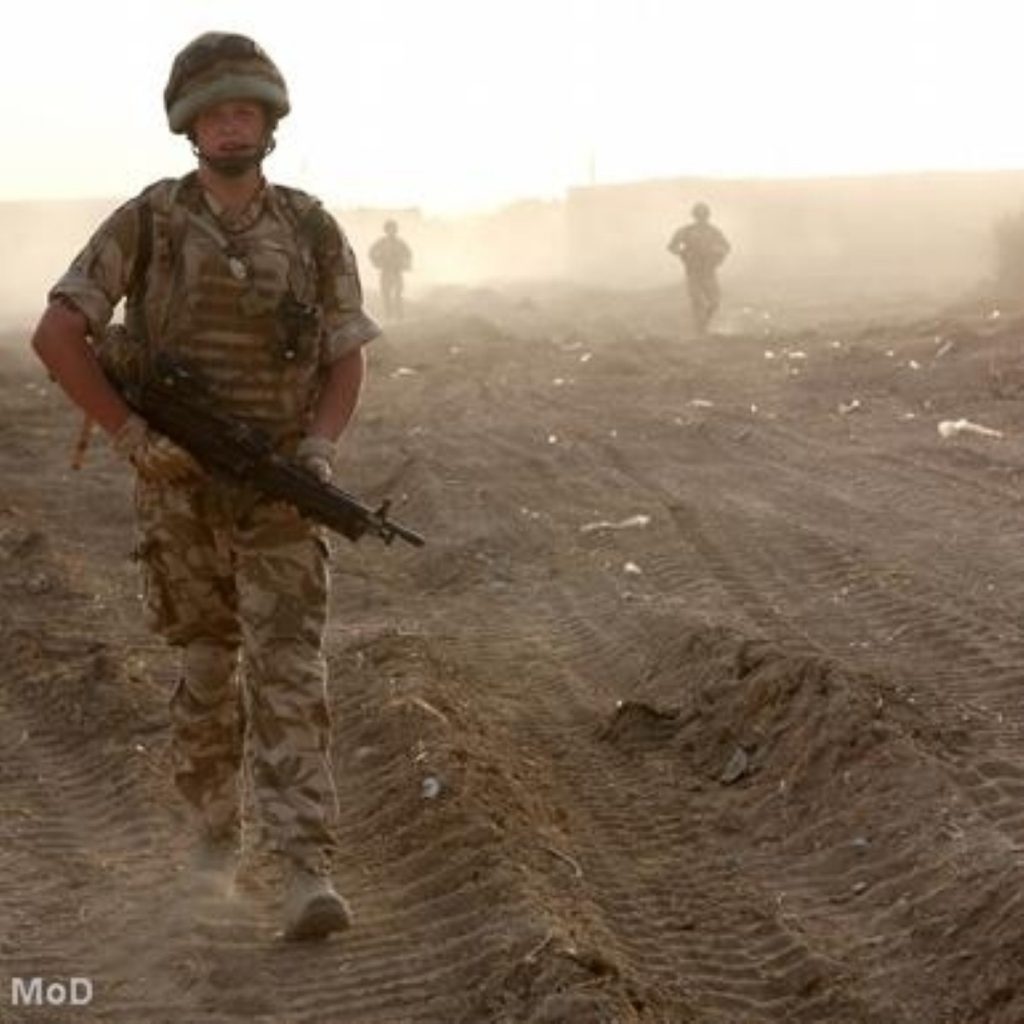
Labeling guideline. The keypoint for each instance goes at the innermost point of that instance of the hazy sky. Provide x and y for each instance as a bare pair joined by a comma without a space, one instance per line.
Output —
465,104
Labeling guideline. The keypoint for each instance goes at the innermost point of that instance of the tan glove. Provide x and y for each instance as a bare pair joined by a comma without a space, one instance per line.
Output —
156,458
317,455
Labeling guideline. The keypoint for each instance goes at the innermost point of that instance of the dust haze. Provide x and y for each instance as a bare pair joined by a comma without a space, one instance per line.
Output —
711,662
711,658
827,240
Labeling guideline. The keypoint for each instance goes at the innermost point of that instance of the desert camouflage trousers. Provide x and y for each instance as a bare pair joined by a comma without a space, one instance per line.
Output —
241,586
705,295
391,286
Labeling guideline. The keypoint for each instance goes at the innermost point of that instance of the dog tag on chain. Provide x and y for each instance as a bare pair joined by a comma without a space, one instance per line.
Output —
238,269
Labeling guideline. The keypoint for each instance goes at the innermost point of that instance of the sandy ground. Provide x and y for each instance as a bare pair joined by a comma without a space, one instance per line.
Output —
702,703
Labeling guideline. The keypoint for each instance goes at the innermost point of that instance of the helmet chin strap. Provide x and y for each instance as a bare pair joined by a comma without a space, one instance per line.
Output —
236,164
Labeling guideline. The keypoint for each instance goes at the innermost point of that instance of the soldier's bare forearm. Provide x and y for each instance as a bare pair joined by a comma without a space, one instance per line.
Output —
339,396
60,343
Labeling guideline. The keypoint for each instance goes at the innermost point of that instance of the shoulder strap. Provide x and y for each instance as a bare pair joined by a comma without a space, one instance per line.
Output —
310,223
135,292
158,223
143,253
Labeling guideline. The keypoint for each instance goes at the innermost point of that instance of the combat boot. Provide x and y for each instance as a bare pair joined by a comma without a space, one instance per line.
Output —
312,910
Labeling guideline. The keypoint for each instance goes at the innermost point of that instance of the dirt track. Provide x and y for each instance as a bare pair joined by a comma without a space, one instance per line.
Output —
756,758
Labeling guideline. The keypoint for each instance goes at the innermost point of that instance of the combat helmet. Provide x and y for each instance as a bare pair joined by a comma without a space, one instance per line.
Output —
218,66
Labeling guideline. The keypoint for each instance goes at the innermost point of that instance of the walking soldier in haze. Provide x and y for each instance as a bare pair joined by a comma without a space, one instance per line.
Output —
702,247
255,288
392,257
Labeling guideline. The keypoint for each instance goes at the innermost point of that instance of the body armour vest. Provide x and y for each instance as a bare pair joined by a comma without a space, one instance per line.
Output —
240,308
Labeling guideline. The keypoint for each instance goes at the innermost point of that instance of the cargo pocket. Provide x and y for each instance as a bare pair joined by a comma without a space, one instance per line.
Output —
157,593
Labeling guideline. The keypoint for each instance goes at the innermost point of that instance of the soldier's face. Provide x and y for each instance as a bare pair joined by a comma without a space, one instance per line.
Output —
230,128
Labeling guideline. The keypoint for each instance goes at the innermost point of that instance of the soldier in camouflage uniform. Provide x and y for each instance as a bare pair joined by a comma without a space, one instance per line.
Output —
702,248
393,258
256,287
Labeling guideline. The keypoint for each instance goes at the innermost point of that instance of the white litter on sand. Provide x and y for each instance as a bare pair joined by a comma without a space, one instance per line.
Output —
623,524
950,428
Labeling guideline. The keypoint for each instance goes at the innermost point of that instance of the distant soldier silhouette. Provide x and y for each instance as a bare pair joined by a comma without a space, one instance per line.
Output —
702,247
392,257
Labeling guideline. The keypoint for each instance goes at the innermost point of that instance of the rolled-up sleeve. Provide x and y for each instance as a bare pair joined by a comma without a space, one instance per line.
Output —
347,327
98,276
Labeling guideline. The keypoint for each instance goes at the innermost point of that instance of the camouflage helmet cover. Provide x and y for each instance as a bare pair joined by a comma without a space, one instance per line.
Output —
219,66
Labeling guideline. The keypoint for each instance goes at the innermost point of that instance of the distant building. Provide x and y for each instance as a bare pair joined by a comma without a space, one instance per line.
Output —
522,241
849,237
872,233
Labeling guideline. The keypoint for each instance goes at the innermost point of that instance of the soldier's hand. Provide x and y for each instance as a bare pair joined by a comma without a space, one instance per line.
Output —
156,458
317,455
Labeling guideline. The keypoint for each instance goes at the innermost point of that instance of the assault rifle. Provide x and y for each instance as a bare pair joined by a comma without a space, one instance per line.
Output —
171,400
